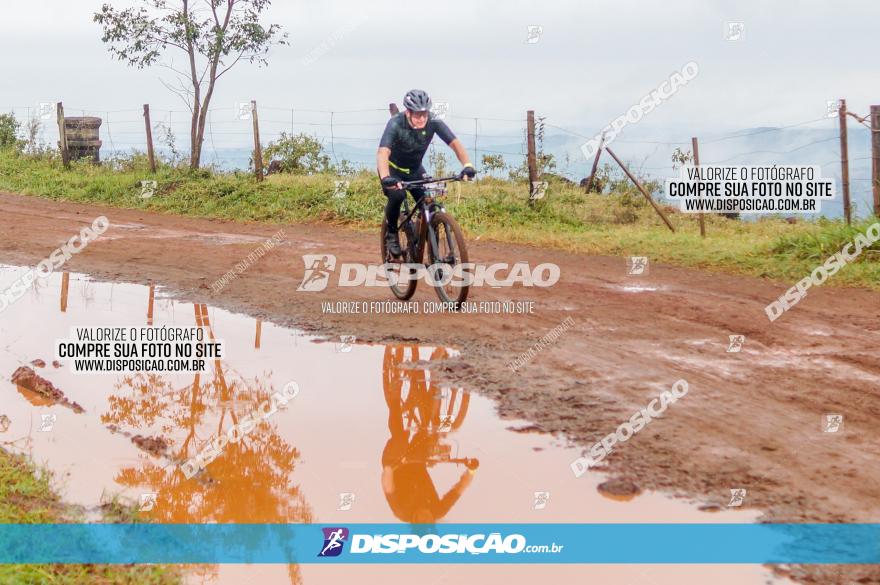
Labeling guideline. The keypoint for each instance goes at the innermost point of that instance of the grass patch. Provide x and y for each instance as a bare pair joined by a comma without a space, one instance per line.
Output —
621,223
26,497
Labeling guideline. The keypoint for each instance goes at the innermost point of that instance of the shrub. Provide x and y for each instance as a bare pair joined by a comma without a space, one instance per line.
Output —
9,128
298,154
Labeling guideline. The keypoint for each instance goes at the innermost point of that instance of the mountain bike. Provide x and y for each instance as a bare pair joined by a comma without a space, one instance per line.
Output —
428,225
427,412
428,417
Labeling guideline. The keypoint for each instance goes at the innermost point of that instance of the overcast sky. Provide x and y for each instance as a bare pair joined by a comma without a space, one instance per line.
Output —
592,61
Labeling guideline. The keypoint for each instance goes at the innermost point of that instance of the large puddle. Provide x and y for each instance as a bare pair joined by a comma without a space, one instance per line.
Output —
368,438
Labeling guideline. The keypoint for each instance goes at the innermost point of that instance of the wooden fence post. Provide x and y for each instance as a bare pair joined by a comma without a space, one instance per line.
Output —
62,136
875,157
844,162
595,164
150,153
696,148
642,189
258,150
393,109
532,160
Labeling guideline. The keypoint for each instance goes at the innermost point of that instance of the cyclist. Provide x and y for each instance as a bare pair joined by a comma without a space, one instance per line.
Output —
406,482
401,149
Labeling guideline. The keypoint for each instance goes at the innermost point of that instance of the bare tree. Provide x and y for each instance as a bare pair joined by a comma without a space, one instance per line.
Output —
214,35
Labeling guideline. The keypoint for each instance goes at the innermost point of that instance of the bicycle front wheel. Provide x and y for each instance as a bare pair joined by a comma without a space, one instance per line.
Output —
401,277
449,258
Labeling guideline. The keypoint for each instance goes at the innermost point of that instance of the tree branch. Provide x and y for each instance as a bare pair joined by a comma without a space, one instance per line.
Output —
237,59
184,94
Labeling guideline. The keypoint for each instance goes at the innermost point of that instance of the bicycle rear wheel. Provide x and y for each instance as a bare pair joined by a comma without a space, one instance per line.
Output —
401,278
448,255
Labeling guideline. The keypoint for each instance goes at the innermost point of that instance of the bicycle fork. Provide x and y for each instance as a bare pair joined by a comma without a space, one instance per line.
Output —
431,237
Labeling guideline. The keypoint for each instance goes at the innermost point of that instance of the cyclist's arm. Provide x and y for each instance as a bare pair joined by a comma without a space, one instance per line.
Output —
382,164
447,136
454,493
460,152
382,161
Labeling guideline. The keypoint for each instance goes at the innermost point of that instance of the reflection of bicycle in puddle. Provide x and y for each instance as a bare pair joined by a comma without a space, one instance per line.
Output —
420,417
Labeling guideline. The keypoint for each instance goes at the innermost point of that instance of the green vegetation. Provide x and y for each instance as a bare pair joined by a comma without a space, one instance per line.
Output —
491,164
9,128
301,154
27,498
616,221
298,155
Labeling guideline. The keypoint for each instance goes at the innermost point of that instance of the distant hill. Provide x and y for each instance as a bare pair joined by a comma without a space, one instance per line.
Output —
650,157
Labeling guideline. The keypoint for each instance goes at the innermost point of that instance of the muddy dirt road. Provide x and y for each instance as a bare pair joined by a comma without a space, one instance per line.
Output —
752,419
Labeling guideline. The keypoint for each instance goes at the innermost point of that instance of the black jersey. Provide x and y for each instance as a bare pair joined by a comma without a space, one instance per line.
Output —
408,145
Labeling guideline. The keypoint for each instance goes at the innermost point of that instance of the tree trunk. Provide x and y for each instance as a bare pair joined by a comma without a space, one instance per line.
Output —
199,130
195,153
202,123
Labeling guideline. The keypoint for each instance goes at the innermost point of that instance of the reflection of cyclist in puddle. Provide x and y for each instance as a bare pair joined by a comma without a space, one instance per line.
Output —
417,415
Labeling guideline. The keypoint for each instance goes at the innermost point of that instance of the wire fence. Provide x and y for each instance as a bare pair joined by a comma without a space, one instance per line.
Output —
353,136
349,134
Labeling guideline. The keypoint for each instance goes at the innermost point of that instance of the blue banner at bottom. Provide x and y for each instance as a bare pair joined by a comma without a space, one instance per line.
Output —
447,543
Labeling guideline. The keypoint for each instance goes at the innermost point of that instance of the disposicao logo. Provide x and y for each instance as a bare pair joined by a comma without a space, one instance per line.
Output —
317,273
334,541
429,544
320,267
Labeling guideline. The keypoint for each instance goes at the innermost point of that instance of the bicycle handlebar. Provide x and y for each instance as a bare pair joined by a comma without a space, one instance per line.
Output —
469,462
417,182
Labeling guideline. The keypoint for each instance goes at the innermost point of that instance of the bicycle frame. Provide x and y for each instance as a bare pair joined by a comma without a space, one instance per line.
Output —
427,206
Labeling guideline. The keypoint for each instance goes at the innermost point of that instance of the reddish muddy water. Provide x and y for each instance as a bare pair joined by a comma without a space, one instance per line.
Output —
367,438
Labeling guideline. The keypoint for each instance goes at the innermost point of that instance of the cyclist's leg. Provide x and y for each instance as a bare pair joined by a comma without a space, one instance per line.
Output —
395,200
418,192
